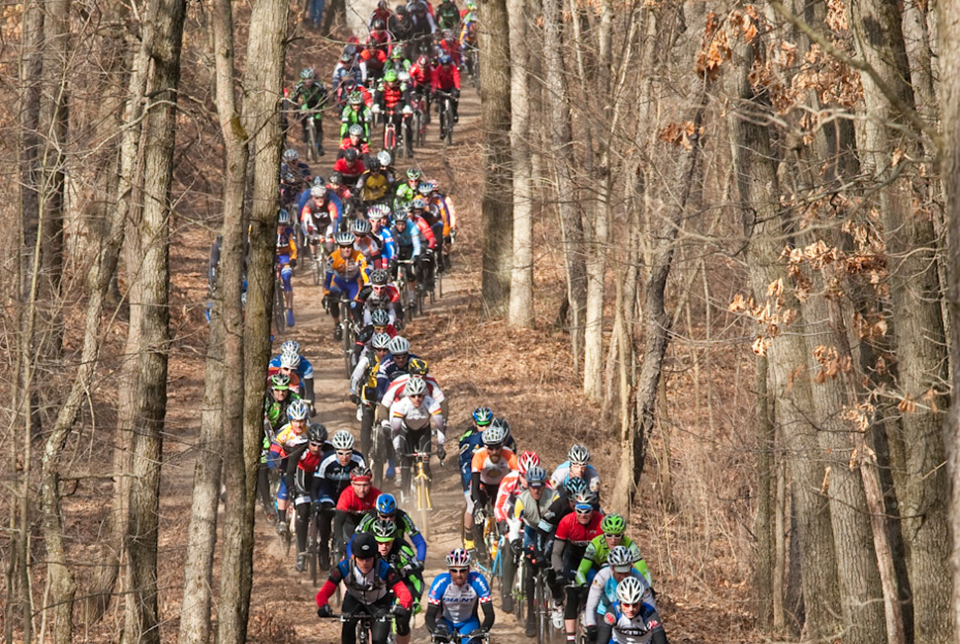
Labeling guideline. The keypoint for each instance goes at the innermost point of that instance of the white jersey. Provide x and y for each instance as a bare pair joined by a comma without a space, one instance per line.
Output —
395,390
404,414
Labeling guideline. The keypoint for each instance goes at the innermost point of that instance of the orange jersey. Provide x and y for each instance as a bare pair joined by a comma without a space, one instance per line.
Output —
492,473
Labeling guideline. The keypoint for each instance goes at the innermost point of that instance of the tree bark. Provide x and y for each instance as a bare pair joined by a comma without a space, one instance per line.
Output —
911,245
31,71
142,623
497,203
766,496
521,311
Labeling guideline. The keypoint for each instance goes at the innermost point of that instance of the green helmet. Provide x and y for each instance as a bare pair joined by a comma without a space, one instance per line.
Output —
280,382
356,98
384,530
397,53
413,174
390,77
307,73
613,524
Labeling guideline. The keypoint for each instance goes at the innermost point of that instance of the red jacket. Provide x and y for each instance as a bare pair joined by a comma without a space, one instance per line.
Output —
445,77
421,75
426,232
349,171
452,49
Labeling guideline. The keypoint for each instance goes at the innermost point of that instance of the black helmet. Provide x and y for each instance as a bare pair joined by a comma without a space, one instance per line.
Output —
317,433
364,546
351,155
379,277
374,165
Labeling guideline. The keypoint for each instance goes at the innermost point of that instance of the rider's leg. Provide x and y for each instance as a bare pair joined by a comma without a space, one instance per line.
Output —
468,542
303,521
400,448
403,630
509,574
348,632
326,529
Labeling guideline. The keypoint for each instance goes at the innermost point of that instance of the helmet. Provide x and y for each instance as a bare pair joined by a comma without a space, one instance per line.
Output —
380,318
351,155
290,155
399,346
445,59
613,524
384,530
447,34
503,424
345,239
621,556
415,387
386,504
289,177
536,476
334,179
384,158
574,486
378,211
527,460
290,345
361,473
578,455
356,98
355,130
458,558
630,591
424,188
390,76
283,217
317,433
345,57
418,204
380,340
401,10
396,54
424,60
420,7
482,416
298,410
378,276
586,497
343,440
401,215
418,367
378,24
374,165
307,73
361,227
318,181
364,546
413,174
318,192
280,382
494,435
289,360
434,185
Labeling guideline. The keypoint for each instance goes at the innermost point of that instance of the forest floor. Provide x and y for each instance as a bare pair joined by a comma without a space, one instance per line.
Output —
525,375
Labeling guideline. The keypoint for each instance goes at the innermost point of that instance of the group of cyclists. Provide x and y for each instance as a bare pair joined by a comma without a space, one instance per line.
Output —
378,238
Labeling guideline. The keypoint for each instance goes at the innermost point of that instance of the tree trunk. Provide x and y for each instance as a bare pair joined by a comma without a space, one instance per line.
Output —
31,71
521,312
911,245
766,496
497,204
142,625
561,138
764,226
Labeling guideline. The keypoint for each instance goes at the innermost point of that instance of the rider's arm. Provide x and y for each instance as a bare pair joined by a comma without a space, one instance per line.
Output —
556,560
330,587
431,617
586,563
593,599
415,239
488,616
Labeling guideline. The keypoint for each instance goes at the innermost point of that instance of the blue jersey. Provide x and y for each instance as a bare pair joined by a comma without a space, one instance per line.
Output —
409,237
458,604
304,369
335,478
388,248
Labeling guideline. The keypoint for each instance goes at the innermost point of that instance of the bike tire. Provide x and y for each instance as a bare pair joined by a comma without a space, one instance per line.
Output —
312,140
519,599
279,309
421,296
346,337
313,552
543,618
448,107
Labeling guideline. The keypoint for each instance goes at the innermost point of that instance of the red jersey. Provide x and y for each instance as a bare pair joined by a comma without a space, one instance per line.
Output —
426,232
445,78
351,503
362,148
392,96
452,49
570,530
309,462
421,75
348,171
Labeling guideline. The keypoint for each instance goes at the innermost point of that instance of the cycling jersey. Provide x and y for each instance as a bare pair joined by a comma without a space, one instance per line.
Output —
603,593
459,603
319,216
349,501
331,478
389,371
365,588
561,475
511,486
287,438
405,528
596,556
405,415
636,630
408,238
492,473
388,248
395,390
348,267
275,411
571,531
452,49
446,77
425,231
369,247
535,515
373,186
286,245
471,441
366,373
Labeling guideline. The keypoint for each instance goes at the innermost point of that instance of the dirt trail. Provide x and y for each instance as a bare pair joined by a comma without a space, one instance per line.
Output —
287,590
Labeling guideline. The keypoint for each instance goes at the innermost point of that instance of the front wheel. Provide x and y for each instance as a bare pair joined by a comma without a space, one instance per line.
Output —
279,306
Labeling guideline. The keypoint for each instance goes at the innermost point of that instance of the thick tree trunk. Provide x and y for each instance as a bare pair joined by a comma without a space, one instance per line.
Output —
911,245
764,226
561,138
766,499
31,70
497,204
521,312
142,625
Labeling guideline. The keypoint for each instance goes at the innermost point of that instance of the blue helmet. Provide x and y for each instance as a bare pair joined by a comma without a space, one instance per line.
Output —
445,59
386,504
482,416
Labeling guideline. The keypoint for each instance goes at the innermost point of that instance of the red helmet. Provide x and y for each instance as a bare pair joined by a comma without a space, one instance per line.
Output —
527,460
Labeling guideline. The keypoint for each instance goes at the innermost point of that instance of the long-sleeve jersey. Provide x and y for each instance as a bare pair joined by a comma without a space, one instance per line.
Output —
349,267
331,478
562,474
365,588
406,528
572,534
350,172
536,515
287,243
409,237
425,231
596,555
395,390
445,78
510,488
405,415
603,594
388,247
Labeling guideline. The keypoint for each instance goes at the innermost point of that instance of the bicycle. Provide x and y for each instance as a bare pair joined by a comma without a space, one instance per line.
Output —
364,622
347,337
403,286
472,61
421,116
477,637
446,117
542,605
314,141
420,489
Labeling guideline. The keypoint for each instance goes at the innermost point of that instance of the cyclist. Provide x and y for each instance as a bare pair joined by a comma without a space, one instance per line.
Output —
355,113
347,68
595,557
407,191
278,399
574,533
510,488
603,591
311,96
349,167
318,219
577,465
354,140
401,556
391,99
290,436
296,367
395,365
470,441
380,295
372,585
363,380
293,165
448,16
468,37
443,203
416,368
346,274
455,597
375,59
354,501
535,513
421,79
379,38
340,190
434,220
301,465
422,26
379,323
380,227
450,45
372,186
386,163
330,480
381,13
446,80
487,468
633,617
387,510
406,235
366,243
410,420
286,259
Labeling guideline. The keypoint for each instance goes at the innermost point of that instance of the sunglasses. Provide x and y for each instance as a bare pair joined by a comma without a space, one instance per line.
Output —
316,443
584,509
459,571
344,452
635,606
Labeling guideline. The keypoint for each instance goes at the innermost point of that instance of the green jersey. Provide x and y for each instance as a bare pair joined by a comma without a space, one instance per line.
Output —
596,556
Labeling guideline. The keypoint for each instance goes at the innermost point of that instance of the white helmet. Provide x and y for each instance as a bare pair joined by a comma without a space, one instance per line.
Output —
289,360
343,440
494,435
290,345
399,345
414,387
630,591
579,455
298,410
381,341
317,192
458,558
621,556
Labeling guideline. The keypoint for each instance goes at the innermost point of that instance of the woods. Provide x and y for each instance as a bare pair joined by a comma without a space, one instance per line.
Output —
724,236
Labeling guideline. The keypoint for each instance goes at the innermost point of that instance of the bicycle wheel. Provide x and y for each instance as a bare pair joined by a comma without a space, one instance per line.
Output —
543,616
312,140
378,458
448,108
279,312
519,599
313,552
